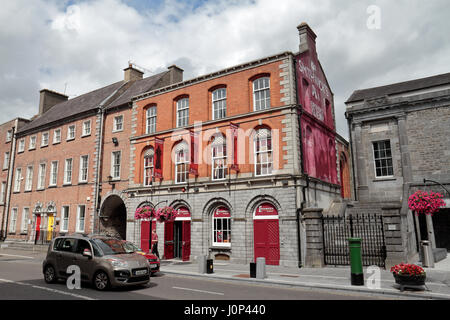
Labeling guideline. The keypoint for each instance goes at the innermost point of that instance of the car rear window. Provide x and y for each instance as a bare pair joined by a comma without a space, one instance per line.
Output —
65,244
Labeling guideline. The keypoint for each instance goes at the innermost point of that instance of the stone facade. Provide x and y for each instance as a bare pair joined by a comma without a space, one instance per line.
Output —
413,117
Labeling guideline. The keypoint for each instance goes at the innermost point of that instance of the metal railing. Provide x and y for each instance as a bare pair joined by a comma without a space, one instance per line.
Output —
337,230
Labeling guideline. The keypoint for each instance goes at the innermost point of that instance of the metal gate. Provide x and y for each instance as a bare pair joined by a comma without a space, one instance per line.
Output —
368,227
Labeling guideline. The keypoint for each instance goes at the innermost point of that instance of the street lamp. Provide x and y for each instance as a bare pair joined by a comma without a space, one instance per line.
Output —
428,180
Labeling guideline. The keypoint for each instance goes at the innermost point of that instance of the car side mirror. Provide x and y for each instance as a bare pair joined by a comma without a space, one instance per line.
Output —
87,253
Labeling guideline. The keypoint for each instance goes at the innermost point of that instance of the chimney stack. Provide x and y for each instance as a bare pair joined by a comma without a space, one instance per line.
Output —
175,74
132,74
307,38
48,99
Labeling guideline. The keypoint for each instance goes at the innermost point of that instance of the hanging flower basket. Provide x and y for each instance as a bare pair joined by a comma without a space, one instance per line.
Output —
165,214
409,275
422,202
161,215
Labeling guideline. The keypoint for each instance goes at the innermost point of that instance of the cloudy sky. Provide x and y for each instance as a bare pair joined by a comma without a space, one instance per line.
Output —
78,46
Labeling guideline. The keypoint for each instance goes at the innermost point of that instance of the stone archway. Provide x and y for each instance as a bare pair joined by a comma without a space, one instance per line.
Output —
113,217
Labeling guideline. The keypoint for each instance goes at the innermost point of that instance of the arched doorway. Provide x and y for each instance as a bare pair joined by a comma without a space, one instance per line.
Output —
266,233
113,217
177,235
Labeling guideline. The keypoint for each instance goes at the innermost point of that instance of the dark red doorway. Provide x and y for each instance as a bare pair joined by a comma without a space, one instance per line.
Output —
177,236
266,234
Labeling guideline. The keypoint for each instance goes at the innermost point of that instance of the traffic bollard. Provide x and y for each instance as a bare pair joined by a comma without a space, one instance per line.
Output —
260,268
202,264
357,275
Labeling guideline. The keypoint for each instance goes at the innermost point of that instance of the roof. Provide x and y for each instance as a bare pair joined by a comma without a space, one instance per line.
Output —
400,87
138,87
92,100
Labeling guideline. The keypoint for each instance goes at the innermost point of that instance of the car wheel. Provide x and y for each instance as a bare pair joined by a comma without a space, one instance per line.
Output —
101,281
50,274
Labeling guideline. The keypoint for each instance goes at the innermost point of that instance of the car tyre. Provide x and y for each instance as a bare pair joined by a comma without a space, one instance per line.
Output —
101,281
50,274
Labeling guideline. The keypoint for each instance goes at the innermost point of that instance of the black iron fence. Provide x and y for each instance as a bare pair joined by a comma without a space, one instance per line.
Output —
368,227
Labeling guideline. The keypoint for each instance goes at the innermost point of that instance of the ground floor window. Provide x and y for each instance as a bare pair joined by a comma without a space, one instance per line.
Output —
221,227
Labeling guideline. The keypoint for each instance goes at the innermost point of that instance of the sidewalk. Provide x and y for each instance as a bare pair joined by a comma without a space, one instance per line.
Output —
329,278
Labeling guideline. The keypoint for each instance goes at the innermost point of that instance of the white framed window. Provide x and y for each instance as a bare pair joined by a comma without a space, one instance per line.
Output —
181,163
219,103
12,226
24,222
221,228
6,160
84,164
218,158
65,219
18,180
382,155
29,179
263,152
150,116
41,178
115,164
57,136
118,123
261,94
182,112
21,146
44,141
148,166
86,128
53,173
81,213
32,143
71,132
9,135
68,171
2,193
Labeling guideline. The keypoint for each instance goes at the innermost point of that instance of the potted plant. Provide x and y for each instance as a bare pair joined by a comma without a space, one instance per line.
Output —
421,202
409,274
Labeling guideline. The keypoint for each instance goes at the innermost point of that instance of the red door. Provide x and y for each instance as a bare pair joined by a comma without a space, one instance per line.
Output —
145,235
266,234
38,227
186,245
168,240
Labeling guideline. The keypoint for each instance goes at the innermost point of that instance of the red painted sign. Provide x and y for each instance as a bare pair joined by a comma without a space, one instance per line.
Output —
193,165
159,150
183,212
266,209
234,150
222,212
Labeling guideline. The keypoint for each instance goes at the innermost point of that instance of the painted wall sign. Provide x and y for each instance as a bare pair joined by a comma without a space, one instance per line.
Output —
159,151
222,212
266,211
193,164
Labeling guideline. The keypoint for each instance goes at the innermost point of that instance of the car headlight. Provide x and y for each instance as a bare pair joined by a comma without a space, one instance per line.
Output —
118,263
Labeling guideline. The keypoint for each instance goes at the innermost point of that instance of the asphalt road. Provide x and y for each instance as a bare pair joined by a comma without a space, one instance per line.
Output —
21,278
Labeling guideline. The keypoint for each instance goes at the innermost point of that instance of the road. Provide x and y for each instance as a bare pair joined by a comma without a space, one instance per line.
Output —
21,278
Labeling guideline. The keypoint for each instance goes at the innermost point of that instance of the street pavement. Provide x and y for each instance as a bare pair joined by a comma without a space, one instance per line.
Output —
21,278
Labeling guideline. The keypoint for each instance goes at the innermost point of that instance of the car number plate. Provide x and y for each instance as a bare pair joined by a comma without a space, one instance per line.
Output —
153,265
140,272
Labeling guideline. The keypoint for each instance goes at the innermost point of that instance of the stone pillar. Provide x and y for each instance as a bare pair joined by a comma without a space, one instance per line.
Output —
362,187
314,256
396,247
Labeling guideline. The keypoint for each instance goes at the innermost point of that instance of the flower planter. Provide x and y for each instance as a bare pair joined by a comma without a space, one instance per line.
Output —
410,280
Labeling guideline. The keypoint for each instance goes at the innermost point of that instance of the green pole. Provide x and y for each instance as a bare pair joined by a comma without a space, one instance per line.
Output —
357,275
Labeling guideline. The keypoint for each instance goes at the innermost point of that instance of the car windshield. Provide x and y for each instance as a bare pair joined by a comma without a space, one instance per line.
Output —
130,247
111,246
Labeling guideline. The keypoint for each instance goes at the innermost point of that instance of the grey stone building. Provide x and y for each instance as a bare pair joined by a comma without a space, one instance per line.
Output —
400,142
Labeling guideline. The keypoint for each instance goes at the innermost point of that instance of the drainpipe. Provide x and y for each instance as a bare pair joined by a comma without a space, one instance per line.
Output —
352,155
12,152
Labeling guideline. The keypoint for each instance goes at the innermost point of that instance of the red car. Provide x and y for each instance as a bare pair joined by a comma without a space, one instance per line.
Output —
152,259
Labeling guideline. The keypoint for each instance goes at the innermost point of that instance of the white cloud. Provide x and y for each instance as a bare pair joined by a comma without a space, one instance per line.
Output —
87,44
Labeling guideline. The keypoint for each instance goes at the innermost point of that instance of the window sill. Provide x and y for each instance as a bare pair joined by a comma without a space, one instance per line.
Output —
116,131
86,135
57,142
384,179
31,149
70,139
67,184
44,146
40,189
25,191
52,186
215,247
82,182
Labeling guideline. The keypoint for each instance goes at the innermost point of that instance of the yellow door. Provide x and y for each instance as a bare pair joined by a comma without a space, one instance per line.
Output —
50,227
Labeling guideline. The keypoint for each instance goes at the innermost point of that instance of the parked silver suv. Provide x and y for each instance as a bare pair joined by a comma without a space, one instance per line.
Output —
103,261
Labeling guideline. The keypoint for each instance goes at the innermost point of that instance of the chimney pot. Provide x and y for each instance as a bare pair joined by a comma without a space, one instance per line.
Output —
48,99
176,74
132,74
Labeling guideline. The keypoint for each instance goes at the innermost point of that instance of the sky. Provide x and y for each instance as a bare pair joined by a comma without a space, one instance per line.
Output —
75,46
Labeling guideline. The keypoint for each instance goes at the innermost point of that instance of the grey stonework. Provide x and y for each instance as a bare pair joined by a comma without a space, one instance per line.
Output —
417,124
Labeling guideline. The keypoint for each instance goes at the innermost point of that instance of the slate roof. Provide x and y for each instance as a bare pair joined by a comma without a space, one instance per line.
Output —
400,87
91,100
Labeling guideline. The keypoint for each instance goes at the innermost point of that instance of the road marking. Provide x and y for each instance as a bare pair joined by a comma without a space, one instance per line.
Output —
48,289
15,255
201,291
